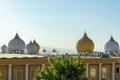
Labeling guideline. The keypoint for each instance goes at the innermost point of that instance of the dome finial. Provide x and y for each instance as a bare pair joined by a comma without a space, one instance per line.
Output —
16,36
34,40
37,45
85,34
111,38
30,42
84,31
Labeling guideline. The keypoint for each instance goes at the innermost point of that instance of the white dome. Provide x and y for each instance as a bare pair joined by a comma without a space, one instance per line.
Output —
16,44
4,48
111,45
31,48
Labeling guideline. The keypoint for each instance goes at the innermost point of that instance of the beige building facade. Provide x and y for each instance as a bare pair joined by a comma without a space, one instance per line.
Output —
24,68
102,68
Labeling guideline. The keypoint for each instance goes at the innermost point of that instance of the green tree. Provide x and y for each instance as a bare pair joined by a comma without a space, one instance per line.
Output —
62,69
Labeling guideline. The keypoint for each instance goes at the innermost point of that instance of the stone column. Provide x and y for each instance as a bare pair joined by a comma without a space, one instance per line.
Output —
113,71
10,72
26,72
87,70
100,70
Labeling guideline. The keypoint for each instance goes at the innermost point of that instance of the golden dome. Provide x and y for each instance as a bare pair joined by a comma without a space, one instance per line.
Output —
85,44
37,47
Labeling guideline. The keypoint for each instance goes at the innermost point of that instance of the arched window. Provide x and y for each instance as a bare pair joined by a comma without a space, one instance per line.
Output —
93,72
32,70
117,69
3,72
104,72
18,72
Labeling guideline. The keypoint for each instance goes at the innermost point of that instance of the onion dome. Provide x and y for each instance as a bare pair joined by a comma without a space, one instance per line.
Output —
4,48
111,46
31,48
37,47
44,50
16,45
54,50
85,44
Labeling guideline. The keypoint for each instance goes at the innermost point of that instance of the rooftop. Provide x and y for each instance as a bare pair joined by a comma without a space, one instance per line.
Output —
20,56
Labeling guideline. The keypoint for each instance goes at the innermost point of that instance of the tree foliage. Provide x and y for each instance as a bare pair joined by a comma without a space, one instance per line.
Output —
62,69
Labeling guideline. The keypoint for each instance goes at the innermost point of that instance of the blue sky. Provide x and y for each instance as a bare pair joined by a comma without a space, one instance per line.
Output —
60,23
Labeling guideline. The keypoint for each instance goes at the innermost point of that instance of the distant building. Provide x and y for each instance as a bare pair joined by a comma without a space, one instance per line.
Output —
54,50
102,67
44,50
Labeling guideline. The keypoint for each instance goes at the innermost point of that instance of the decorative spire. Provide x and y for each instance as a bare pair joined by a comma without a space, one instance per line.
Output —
111,38
54,50
16,36
85,34
37,45
34,41
44,50
4,45
31,42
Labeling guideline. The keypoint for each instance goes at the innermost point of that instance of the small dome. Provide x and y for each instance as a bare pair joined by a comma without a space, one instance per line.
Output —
31,48
54,50
85,44
16,45
37,47
4,48
44,50
111,45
